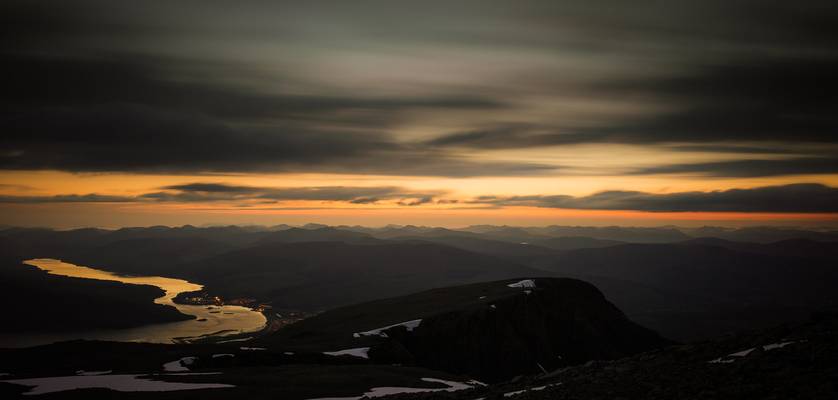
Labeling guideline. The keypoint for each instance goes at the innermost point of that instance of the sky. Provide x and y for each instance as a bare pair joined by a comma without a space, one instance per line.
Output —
431,113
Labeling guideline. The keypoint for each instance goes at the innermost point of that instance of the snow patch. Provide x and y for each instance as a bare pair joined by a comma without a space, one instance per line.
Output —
289,353
120,383
773,346
223,355
179,365
744,353
453,386
409,325
192,373
721,360
526,283
235,340
252,348
532,389
357,352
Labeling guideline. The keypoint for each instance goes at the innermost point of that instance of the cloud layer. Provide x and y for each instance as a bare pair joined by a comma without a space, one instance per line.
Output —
203,192
636,96
796,198
111,114
377,88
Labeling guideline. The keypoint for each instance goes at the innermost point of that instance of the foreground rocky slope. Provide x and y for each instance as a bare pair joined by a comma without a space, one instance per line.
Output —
788,362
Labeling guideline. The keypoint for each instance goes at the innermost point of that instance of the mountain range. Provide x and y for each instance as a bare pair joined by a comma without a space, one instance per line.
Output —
685,289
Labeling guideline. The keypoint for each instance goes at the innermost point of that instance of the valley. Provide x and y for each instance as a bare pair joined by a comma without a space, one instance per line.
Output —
203,320
419,311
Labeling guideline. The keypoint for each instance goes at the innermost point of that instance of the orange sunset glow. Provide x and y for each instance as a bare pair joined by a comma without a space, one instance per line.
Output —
339,125
419,200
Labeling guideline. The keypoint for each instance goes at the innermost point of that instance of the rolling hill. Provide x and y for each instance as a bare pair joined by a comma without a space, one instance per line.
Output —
492,331
696,290
320,275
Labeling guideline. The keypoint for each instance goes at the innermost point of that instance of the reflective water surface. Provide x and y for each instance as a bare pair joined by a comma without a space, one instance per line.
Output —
216,321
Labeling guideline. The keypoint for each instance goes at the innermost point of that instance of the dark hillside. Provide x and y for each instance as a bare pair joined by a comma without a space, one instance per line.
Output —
320,275
705,290
40,302
488,330
792,361
148,256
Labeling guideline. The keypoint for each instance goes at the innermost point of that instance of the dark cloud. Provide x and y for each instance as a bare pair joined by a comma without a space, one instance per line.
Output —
139,139
67,198
212,188
761,100
129,137
765,106
365,200
750,72
90,110
39,81
417,201
746,149
354,194
796,198
791,99
750,168
513,136
96,86
105,115
201,192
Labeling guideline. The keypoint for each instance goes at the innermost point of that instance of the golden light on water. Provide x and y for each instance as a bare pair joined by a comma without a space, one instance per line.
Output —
222,320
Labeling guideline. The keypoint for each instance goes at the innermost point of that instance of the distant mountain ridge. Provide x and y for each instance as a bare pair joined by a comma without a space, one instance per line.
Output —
686,289
319,275
707,287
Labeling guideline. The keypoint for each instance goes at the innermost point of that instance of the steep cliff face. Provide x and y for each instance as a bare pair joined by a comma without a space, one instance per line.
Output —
555,322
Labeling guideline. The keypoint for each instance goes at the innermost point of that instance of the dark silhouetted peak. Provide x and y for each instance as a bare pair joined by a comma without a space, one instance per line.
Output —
493,331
